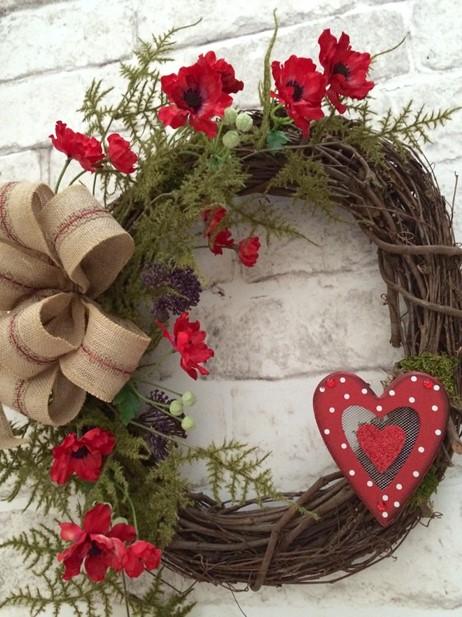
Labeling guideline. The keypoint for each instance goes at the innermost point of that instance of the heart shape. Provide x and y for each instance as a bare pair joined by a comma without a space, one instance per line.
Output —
384,444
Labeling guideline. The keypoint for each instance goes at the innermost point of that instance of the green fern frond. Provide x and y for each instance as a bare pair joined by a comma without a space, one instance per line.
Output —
235,468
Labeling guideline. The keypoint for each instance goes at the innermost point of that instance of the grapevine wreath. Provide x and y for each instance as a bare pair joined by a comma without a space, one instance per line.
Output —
86,290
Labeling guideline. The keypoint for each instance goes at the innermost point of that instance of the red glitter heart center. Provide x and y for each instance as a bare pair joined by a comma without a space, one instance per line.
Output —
381,445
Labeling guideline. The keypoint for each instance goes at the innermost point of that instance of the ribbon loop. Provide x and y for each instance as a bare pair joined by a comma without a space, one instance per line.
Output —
57,253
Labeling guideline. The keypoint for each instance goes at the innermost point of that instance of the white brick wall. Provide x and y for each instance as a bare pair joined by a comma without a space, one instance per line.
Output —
302,310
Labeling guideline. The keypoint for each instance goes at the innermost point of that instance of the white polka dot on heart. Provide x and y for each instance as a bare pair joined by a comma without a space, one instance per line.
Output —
346,396
392,393
416,474
411,399
436,387
434,407
414,378
352,472
438,432
326,431
342,379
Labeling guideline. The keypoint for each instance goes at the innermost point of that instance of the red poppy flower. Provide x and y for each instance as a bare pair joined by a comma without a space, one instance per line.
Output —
86,150
345,69
218,239
225,70
189,340
95,545
120,154
301,88
81,456
196,95
141,556
248,251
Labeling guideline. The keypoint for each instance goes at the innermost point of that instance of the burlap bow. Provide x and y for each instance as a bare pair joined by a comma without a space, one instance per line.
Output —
58,253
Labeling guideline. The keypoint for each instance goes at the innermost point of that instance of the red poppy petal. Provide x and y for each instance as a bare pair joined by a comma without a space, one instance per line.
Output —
123,532
172,116
98,519
98,439
204,126
96,567
61,469
72,567
88,468
70,532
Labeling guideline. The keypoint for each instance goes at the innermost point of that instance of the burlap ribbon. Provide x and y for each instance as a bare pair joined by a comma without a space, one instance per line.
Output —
58,253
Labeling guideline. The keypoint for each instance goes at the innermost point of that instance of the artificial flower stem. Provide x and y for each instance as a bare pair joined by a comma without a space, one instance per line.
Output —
152,403
124,584
75,178
94,184
159,386
63,171
159,360
132,508
159,434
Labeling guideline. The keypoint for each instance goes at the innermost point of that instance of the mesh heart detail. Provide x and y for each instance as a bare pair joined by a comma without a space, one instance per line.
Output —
381,445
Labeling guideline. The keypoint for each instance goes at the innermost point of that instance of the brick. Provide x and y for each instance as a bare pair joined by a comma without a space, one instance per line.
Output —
297,324
20,166
46,99
35,40
221,20
16,5
340,244
247,53
435,92
432,48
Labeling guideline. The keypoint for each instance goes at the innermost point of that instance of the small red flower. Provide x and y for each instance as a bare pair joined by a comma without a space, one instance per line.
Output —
196,95
189,340
345,69
301,88
225,70
248,251
141,556
86,150
218,239
81,456
95,544
120,154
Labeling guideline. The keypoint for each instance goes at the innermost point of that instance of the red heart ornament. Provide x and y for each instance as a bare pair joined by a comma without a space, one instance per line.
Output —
384,445
381,445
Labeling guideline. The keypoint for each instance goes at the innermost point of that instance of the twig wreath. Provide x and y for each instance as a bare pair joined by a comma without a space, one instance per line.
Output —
104,447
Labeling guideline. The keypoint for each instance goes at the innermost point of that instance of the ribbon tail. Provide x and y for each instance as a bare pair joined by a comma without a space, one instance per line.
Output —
7,438
108,355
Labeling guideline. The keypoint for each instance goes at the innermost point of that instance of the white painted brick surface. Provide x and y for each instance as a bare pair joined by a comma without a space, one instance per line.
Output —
303,310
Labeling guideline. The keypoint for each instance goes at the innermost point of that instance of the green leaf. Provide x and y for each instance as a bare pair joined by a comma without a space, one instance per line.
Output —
127,403
275,140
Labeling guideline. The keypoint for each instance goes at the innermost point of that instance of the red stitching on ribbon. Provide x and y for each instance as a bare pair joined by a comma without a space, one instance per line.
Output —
103,362
5,224
13,338
76,218
19,396
16,283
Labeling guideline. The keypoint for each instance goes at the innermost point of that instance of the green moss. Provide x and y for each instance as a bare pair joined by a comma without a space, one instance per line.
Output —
442,367
429,485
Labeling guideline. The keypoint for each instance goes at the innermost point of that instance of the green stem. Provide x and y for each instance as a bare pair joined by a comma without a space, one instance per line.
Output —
75,178
159,386
127,606
94,183
63,171
158,361
152,403
132,508
149,429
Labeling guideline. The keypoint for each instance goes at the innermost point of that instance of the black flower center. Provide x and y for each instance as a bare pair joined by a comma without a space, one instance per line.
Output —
193,99
94,550
341,69
297,89
82,452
